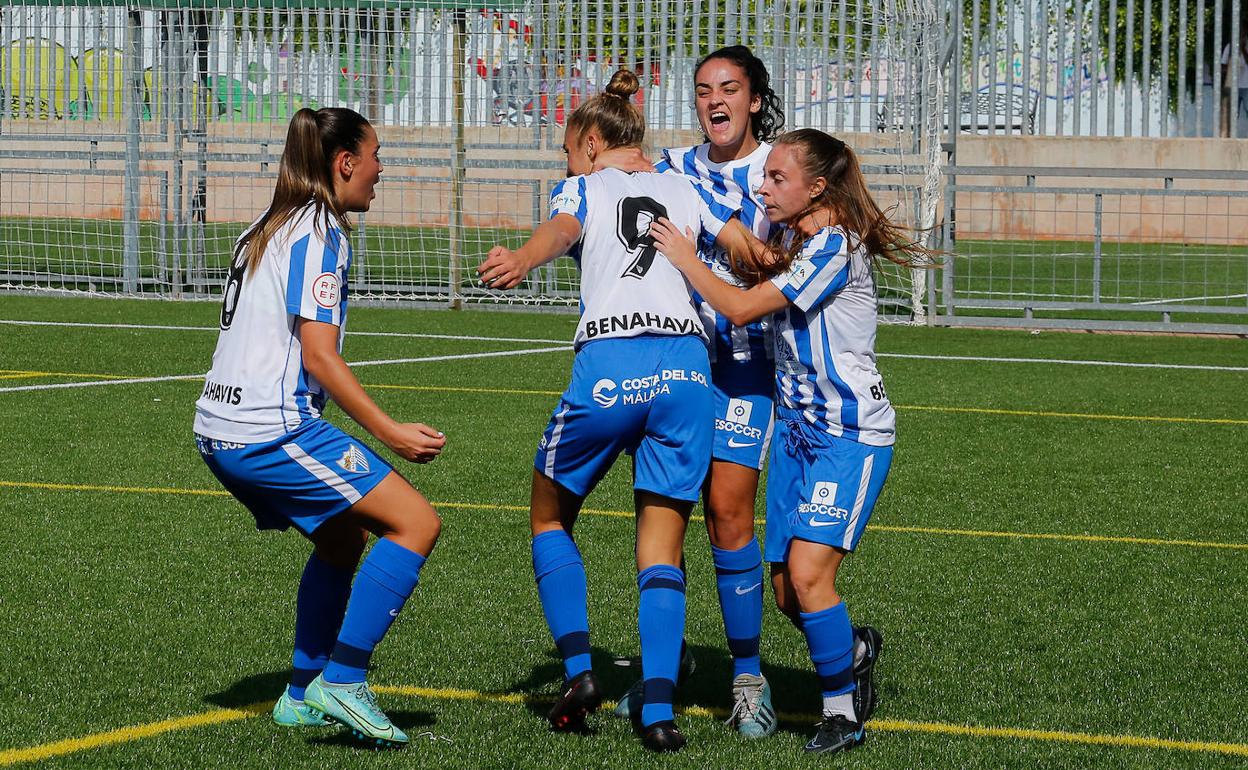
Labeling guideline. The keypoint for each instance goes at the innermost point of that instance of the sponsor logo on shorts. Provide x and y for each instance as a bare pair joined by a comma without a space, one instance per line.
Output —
325,290
822,509
353,460
643,390
737,420
604,393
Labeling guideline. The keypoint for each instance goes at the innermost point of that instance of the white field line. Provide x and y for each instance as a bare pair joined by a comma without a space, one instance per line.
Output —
1064,361
172,377
159,327
1188,299
563,344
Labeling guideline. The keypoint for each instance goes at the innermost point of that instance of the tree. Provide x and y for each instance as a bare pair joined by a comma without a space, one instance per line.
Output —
1183,47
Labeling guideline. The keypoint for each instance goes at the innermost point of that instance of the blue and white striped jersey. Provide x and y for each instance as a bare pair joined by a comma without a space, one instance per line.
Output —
257,389
732,184
825,342
627,287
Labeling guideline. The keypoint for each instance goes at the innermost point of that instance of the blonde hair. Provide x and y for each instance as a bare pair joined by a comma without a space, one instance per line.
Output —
617,120
305,175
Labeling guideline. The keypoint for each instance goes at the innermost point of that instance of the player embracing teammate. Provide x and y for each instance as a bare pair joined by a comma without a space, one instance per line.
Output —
836,427
639,385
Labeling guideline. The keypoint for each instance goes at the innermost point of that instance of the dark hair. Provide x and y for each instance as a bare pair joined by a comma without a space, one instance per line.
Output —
846,195
304,176
617,119
769,119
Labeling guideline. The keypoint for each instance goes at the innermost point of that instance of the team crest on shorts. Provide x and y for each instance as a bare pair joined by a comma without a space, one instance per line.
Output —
353,460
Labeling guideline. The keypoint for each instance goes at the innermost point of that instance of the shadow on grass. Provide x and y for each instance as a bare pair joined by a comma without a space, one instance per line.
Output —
709,687
249,690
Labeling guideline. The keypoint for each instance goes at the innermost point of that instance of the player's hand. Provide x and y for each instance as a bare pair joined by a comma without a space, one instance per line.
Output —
680,249
415,442
502,269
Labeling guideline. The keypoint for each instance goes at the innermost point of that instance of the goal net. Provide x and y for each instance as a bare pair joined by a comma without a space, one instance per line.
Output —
141,138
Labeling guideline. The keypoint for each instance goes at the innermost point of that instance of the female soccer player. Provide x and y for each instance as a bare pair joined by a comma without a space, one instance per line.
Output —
639,385
739,113
836,426
258,424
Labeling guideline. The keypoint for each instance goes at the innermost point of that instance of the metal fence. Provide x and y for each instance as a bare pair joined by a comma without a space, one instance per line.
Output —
1097,248
137,140
1101,67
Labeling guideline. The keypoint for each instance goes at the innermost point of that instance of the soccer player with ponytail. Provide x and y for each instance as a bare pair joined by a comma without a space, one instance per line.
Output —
258,425
639,385
835,426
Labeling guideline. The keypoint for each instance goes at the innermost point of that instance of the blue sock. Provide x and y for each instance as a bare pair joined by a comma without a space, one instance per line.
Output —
561,588
831,641
385,580
739,579
319,606
661,625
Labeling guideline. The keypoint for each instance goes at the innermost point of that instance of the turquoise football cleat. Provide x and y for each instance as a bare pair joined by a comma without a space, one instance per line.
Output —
289,712
355,706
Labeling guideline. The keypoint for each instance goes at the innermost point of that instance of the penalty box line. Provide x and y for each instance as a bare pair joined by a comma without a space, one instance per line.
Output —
915,530
223,716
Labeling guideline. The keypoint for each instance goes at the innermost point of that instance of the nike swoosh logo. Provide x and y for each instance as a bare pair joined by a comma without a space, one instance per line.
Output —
394,613
734,444
360,717
741,592
816,523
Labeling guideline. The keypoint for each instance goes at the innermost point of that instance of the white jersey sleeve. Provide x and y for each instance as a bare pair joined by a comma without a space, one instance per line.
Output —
820,270
315,279
568,197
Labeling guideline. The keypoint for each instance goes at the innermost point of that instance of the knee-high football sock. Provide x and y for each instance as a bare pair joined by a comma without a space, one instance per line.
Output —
386,578
560,575
319,606
661,625
831,641
739,580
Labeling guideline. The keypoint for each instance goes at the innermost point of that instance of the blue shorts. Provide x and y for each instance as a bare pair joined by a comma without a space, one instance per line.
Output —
647,396
821,488
303,478
744,414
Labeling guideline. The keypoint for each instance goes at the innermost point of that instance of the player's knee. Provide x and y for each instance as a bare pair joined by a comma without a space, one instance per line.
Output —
729,521
807,583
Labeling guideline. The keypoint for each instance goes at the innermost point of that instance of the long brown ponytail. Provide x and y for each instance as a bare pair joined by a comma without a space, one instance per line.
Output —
846,195
304,176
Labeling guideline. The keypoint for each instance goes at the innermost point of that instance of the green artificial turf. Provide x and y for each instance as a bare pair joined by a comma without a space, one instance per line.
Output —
129,606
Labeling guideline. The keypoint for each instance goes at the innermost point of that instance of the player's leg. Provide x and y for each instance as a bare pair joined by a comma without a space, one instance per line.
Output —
670,465
743,427
661,524
842,482
561,588
407,527
319,607
581,441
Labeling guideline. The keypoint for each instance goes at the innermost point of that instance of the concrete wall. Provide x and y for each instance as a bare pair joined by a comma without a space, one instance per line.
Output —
1185,215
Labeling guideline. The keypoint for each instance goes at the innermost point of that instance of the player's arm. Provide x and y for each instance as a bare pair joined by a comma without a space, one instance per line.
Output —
739,306
412,441
504,268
